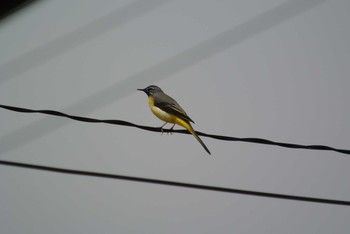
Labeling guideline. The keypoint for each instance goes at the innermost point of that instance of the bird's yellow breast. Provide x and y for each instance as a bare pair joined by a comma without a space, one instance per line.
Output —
166,117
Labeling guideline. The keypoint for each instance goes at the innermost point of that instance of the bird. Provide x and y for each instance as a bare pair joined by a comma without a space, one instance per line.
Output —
169,111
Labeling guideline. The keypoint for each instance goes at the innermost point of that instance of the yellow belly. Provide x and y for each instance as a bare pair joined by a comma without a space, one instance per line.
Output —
166,117
163,115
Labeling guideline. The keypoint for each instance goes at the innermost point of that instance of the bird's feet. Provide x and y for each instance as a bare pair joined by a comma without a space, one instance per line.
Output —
161,128
171,130
168,131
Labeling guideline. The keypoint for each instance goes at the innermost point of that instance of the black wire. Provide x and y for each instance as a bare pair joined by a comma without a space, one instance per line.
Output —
9,7
157,129
176,184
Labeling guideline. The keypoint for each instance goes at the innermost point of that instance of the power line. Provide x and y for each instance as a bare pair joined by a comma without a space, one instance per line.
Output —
175,183
157,129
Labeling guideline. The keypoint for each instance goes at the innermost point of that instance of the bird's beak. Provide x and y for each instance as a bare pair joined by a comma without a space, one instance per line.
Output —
141,90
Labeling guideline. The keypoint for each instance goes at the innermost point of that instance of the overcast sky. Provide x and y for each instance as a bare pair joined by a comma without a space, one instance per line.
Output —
274,69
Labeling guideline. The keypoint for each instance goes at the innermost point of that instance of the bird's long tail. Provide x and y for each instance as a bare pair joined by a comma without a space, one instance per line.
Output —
193,132
188,126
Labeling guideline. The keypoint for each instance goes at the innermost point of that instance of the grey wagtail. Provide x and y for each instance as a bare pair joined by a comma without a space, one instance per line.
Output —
168,110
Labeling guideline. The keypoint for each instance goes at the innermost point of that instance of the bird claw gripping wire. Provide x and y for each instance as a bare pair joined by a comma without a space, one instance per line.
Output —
170,130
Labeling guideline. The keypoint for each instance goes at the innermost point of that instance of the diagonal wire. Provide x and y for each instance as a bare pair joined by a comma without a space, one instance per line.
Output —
157,129
10,7
175,183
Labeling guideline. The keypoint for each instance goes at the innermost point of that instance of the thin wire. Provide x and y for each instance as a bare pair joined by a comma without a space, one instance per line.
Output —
176,184
10,7
157,129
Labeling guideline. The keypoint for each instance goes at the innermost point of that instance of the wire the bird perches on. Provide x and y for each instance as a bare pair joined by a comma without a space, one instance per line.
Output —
157,129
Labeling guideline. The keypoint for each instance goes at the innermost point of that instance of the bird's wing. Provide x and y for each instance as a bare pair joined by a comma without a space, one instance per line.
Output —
170,106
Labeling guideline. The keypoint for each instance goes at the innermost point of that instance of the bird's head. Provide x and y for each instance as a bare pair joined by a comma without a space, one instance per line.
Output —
150,90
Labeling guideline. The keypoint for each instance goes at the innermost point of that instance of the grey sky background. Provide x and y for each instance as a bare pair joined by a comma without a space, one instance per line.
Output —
249,68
